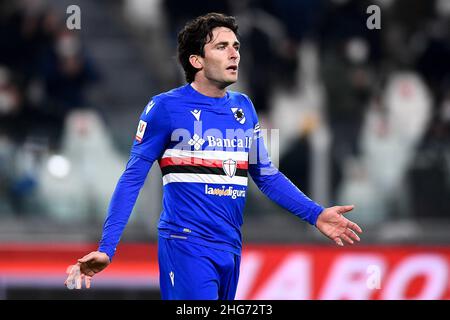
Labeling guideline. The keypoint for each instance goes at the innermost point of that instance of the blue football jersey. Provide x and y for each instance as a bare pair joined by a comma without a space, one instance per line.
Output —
206,147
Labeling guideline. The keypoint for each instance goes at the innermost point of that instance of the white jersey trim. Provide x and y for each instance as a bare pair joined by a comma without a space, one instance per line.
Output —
204,178
206,154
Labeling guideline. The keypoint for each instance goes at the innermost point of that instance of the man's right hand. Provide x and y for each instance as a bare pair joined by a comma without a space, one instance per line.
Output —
86,268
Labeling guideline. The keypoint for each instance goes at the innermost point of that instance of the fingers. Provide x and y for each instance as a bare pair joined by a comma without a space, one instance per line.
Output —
74,277
354,227
338,241
72,270
87,257
351,234
87,282
79,281
346,238
89,272
69,268
345,209
86,264
82,271
87,269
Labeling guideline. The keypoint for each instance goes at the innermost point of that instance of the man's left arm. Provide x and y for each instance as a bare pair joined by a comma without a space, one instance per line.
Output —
277,187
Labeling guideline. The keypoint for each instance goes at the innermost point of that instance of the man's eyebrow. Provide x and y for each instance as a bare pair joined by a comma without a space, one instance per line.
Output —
226,43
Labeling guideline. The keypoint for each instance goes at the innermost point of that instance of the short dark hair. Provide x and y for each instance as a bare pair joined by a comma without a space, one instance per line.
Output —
195,34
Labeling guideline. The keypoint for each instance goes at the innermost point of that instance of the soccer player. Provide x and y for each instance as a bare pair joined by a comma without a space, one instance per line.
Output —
206,140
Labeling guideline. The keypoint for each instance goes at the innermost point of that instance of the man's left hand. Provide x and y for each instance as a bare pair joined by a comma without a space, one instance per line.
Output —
335,226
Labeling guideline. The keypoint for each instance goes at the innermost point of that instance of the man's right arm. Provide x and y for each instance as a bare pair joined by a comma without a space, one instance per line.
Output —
122,203
152,137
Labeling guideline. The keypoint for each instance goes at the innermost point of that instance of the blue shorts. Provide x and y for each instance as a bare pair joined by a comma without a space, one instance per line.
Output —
189,271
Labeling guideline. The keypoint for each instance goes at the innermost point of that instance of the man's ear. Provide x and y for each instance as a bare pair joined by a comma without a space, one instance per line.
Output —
195,61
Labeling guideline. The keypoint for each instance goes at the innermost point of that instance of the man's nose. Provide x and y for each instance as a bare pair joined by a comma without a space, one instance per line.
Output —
233,53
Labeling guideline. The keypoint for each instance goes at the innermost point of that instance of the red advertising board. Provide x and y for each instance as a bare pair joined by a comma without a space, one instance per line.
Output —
319,272
267,271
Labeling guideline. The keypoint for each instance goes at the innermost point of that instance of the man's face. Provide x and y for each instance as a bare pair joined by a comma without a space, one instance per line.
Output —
221,57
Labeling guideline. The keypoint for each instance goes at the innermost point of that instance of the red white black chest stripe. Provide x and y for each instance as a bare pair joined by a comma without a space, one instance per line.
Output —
212,167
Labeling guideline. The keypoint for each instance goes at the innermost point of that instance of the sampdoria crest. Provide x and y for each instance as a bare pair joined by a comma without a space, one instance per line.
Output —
229,167
239,115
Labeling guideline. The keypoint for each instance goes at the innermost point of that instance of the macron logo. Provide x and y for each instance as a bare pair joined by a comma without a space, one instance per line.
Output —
172,278
149,106
196,113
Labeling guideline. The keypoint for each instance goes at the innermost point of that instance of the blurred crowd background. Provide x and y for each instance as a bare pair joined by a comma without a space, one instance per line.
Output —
354,116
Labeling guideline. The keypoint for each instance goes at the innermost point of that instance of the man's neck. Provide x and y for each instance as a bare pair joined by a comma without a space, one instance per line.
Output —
208,89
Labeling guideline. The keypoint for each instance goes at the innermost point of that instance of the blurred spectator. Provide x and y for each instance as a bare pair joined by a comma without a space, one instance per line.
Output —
348,81
301,17
433,61
265,43
357,188
7,150
49,68
78,183
429,176
312,68
296,163
180,12
11,106
391,134
67,71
